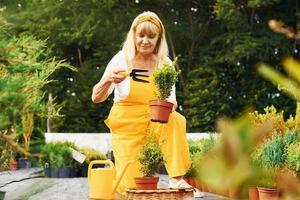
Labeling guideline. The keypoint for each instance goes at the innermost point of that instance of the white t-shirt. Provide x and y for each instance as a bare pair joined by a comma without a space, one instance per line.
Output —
121,90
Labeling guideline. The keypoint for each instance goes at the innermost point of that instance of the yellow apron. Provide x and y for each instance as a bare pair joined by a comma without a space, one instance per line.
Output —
128,121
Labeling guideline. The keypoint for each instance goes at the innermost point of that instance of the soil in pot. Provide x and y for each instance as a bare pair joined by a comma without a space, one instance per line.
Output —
160,111
146,183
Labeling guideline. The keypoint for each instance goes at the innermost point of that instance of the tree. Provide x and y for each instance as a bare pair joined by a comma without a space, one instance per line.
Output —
25,70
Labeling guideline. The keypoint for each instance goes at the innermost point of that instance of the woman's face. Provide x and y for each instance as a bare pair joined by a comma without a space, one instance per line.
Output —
145,41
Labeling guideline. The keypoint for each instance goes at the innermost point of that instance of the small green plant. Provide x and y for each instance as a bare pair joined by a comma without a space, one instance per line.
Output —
164,78
293,157
291,137
273,152
92,154
6,154
197,148
58,154
267,177
151,157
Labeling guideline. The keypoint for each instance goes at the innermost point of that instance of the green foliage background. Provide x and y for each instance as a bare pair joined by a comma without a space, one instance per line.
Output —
218,44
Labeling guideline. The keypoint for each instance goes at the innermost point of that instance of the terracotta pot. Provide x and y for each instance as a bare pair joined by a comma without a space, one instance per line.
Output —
253,193
146,183
268,193
13,165
160,110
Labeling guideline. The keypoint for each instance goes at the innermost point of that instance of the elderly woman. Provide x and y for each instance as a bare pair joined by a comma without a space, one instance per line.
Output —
144,48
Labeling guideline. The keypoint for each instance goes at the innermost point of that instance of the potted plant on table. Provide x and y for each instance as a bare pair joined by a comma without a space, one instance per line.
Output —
164,79
151,159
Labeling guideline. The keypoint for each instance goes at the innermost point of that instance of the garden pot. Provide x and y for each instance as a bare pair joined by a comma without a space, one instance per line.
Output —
24,163
47,170
253,193
64,172
54,173
74,172
233,193
268,193
146,183
160,110
84,169
2,195
13,165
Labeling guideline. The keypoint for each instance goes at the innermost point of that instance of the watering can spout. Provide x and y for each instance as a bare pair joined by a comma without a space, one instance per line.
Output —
121,175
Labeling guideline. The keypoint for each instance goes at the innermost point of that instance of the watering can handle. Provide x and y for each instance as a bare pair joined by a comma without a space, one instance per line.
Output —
98,162
121,176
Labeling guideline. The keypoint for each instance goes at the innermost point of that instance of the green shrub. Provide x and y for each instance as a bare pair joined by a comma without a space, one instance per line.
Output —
267,177
58,154
273,152
6,154
197,148
164,78
92,154
293,157
291,137
150,157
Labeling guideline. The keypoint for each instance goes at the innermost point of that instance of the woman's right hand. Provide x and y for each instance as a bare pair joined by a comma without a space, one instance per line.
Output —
118,76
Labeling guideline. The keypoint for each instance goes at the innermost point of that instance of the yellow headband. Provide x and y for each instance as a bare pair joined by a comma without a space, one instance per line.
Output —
150,19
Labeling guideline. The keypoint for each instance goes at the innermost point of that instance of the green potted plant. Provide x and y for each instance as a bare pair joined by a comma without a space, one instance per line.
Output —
270,159
151,159
57,158
164,79
267,184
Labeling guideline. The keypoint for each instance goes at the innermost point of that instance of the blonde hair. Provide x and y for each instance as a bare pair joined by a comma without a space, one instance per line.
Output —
149,22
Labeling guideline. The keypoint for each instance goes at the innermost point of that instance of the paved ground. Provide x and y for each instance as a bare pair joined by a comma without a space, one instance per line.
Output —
29,184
